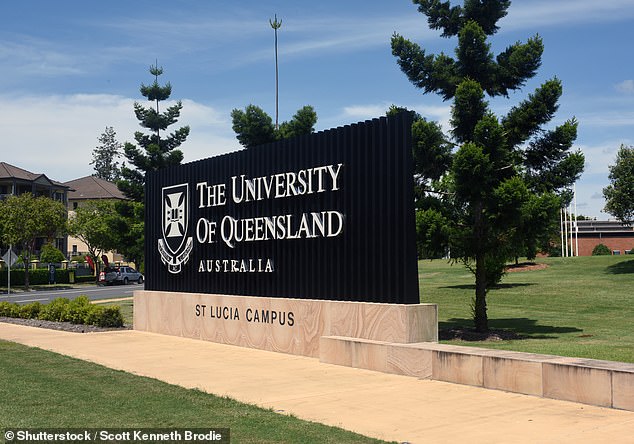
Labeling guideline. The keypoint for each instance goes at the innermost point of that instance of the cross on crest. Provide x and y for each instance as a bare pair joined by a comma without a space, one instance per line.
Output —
174,215
175,247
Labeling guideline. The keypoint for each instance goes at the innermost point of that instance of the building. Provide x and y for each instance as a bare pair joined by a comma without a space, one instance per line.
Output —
16,181
617,237
85,189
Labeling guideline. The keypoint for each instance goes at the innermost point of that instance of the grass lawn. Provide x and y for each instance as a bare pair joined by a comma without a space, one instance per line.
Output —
582,306
43,389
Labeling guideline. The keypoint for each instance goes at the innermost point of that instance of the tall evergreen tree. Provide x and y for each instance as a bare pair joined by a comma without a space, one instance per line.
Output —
504,169
155,151
105,155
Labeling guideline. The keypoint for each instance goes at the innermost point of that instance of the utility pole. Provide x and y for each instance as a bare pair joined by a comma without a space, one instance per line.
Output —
275,24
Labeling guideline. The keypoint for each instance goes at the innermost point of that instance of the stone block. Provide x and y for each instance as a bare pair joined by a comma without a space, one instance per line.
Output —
562,380
457,367
513,375
623,390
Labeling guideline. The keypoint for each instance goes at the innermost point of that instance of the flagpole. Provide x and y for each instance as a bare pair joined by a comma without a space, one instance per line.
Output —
576,222
561,228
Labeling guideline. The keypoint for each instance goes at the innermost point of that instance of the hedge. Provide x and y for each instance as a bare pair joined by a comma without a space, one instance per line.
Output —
36,277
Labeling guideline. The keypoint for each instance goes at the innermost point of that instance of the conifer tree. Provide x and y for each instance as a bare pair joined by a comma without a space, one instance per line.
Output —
104,156
507,172
157,150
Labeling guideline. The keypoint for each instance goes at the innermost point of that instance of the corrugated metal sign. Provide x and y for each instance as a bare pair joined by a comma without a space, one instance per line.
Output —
324,216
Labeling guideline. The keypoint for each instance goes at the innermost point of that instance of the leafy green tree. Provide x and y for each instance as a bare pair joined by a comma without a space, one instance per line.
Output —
303,122
155,151
505,170
50,254
254,126
127,230
619,195
105,155
89,223
25,219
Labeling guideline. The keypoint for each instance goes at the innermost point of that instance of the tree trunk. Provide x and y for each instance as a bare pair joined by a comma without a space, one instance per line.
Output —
27,265
480,317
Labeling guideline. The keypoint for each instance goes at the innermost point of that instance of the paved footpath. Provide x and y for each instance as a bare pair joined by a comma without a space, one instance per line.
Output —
391,407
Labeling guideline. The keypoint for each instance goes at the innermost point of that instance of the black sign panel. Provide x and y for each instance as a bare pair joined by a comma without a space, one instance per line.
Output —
324,216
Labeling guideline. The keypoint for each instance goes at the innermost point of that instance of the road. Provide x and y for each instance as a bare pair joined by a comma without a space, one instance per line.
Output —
93,293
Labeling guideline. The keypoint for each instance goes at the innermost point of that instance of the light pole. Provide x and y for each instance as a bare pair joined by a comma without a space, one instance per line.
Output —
275,24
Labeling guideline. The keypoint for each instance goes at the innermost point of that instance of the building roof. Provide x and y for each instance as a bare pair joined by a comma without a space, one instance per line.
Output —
93,187
603,226
8,171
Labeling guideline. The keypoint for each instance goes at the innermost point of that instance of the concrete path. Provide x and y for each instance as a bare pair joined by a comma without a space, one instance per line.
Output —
390,407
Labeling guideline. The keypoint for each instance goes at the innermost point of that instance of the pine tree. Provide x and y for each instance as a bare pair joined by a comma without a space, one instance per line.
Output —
506,170
156,151
105,155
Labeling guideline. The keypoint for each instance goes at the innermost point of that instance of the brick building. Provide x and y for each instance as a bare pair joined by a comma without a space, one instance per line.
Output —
618,238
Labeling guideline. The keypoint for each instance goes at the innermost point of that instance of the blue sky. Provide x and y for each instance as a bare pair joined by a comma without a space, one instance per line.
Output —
70,68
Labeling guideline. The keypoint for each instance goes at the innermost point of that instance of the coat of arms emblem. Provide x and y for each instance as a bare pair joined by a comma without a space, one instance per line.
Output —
175,247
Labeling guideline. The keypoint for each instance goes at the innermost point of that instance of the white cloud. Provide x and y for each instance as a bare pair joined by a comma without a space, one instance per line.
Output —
30,56
55,135
599,157
364,112
608,119
626,86
354,113
565,12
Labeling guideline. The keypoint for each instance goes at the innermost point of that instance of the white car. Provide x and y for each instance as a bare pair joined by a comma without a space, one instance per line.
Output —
118,275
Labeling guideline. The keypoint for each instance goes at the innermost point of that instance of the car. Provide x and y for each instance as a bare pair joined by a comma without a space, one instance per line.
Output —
120,275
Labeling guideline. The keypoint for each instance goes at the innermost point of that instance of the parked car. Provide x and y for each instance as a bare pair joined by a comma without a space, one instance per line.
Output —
120,275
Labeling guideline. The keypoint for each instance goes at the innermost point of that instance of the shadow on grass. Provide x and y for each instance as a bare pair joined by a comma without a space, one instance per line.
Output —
499,286
524,328
621,268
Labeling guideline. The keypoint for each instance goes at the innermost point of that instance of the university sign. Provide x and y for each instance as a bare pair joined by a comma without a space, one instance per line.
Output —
325,216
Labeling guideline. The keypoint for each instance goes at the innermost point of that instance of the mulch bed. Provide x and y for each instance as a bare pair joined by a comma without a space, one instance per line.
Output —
525,266
471,335
63,326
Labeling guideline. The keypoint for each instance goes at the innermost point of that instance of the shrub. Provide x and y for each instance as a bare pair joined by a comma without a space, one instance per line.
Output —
55,310
30,311
601,250
77,310
104,316
9,310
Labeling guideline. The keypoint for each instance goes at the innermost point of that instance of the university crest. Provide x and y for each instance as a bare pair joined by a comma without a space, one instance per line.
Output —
175,247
